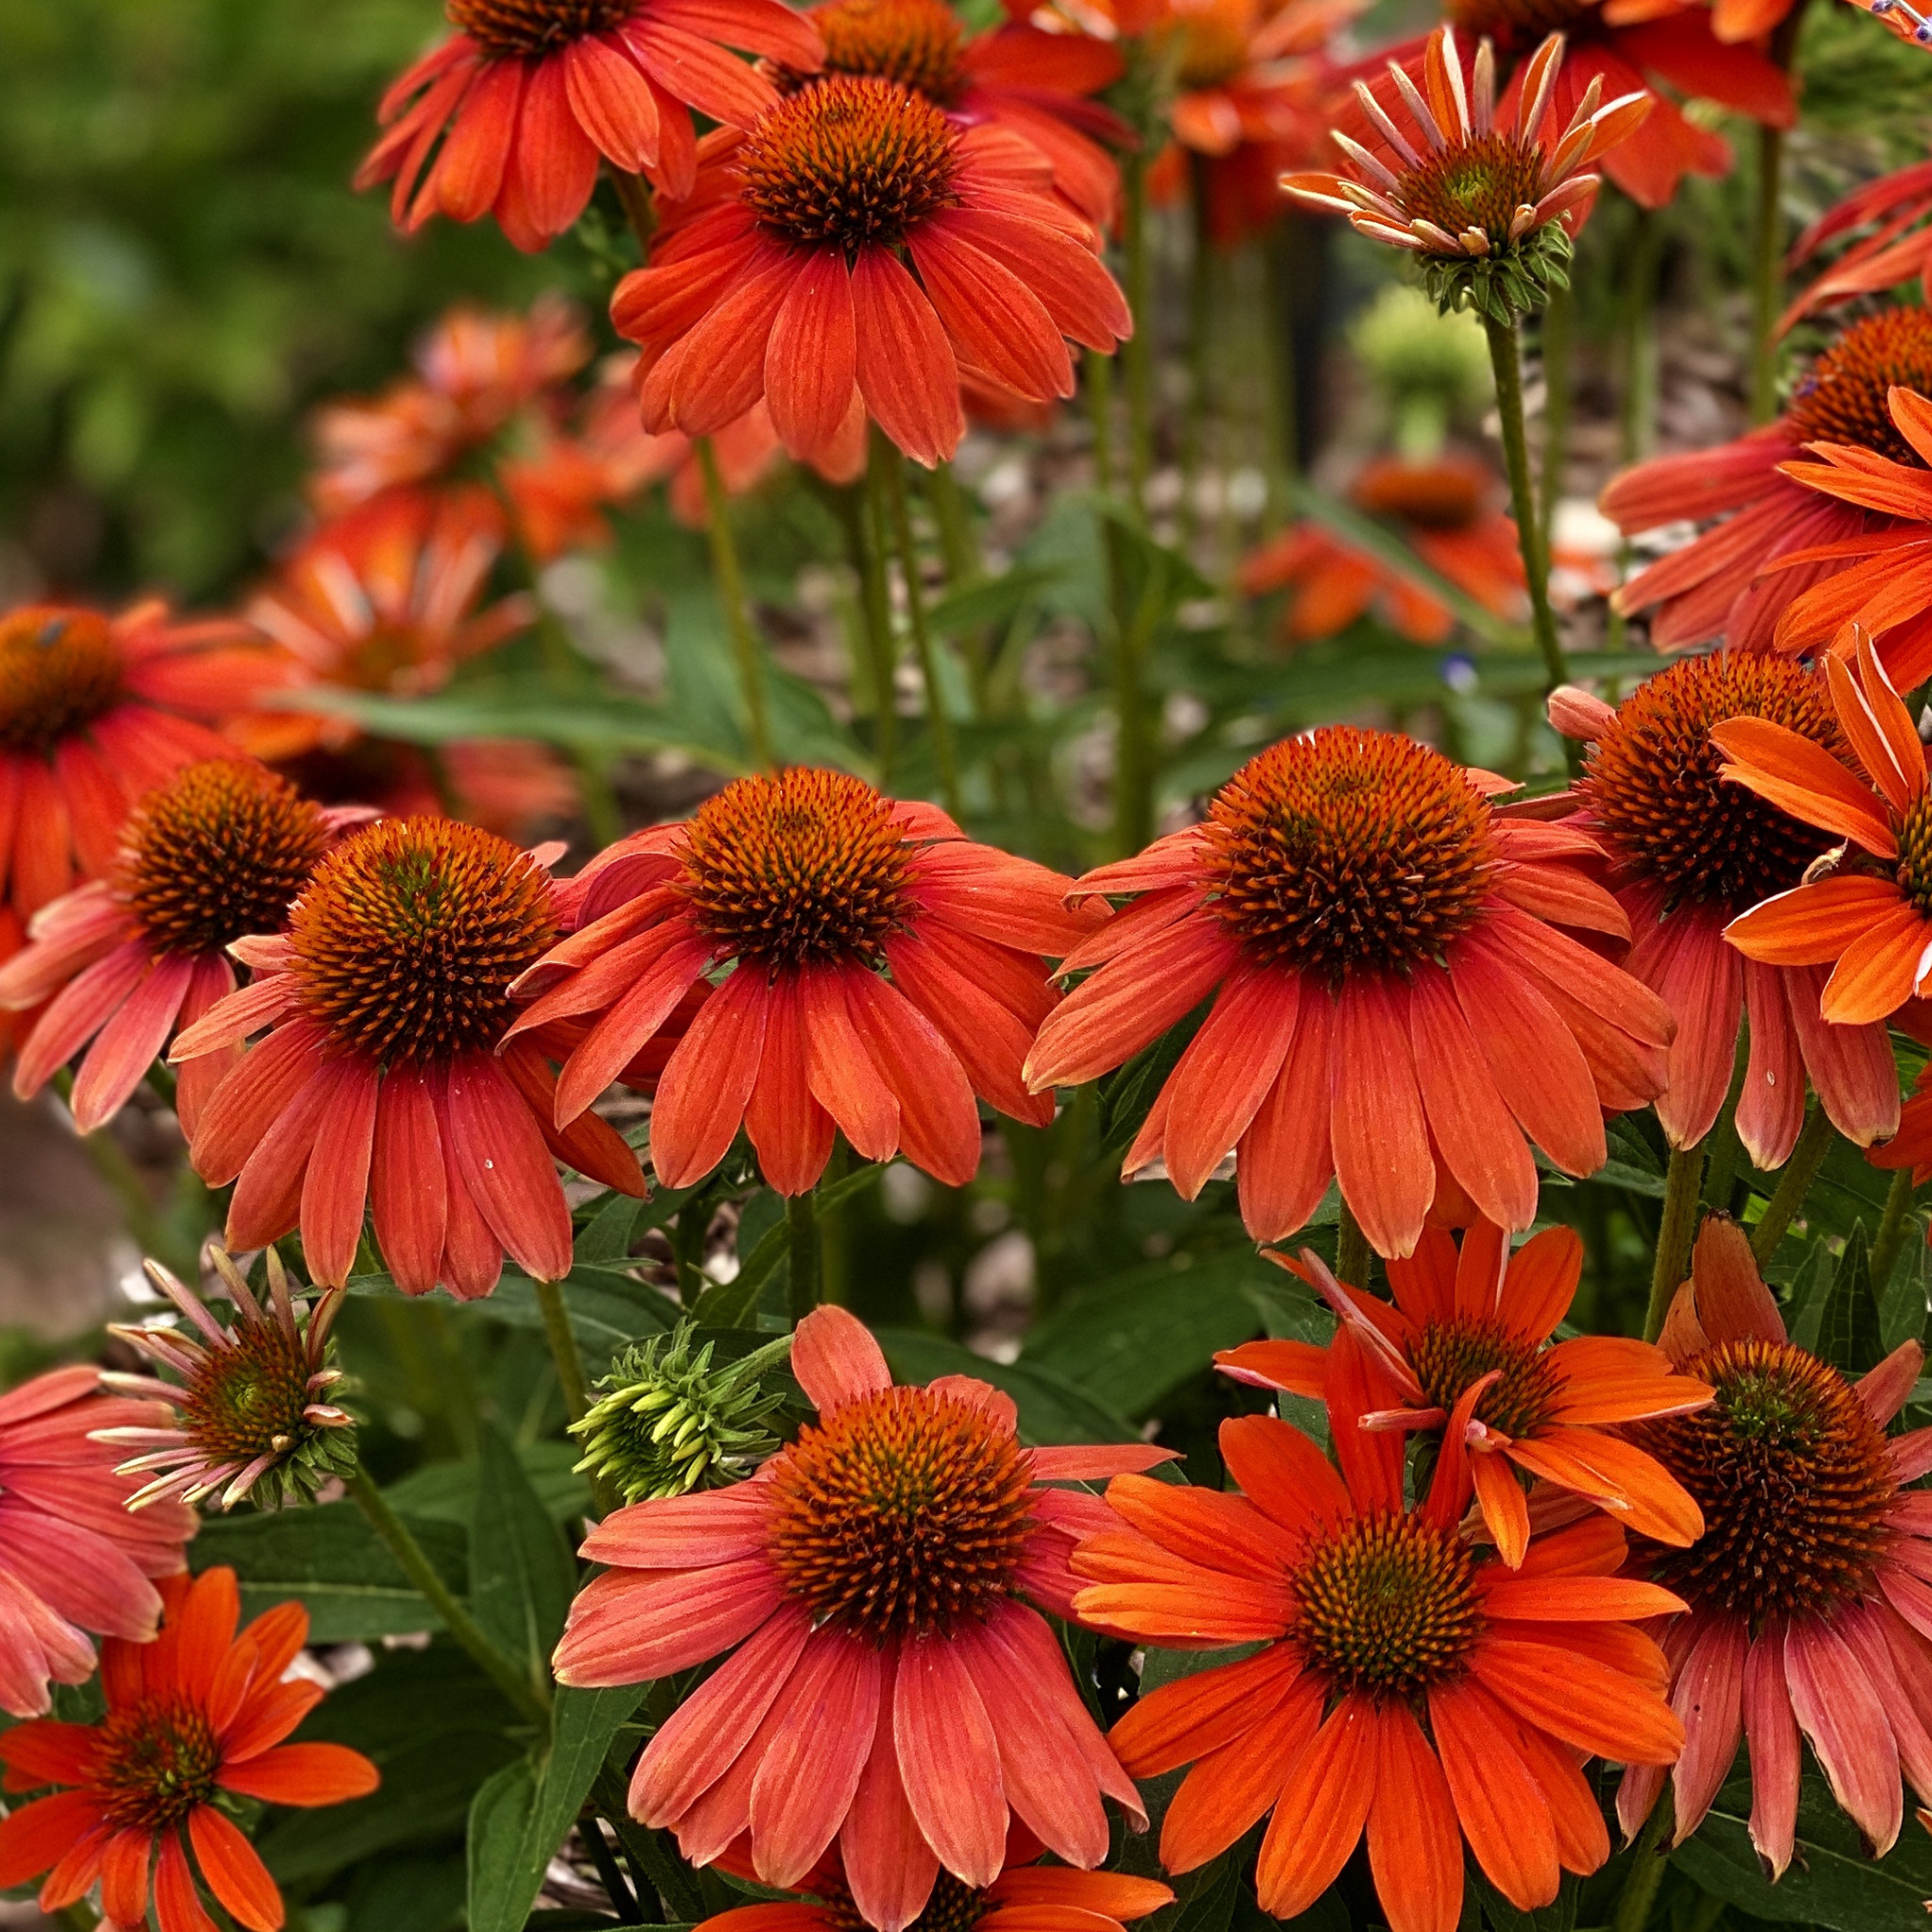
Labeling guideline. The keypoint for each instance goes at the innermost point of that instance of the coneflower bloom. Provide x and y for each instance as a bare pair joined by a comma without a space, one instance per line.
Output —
805,884
73,1560
1690,852
890,1687
1372,1620
526,96
1388,992
1481,1313
215,853
196,1715
1809,1608
251,1416
1899,247
385,1083
783,276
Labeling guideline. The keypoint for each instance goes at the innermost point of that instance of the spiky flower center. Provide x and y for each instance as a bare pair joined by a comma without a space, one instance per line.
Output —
919,43
218,851
1474,184
1448,1355
1517,26
156,1761
848,162
1914,872
523,28
1794,1481
60,670
1385,1607
953,1906
901,1513
409,933
1345,850
245,1400
1653,780
1844,396
805,867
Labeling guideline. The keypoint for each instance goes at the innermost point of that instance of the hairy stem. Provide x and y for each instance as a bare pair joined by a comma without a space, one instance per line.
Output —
886,457
1675,1235
1801,1170
1890,1237
564,1349
1647,1862
731,580
1507,360
802,1246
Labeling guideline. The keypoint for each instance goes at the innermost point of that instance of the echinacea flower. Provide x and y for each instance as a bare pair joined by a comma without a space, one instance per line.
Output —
890,1686
1690,852
250,1414
1899,247
1388,991
782,277
526,96
193,1718
1403,1686
806,883
385,1083
217,852
73,1560
1809,1606
1461,1316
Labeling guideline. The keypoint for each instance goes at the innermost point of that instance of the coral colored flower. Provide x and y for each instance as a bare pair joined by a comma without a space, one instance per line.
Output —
526,96
890,1686
218,851
1690,852
71,1557
1899,247
1388,992
782,277
1776,538
193,1718
804,885
386,1082
1461,1316
1402,1687
1809,1606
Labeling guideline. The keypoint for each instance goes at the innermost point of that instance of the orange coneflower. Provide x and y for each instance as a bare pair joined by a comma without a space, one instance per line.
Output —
1374,1618
526,96
386,1081
890,1686
1482,1313
1389,995
1899,247
783,276
197,1715
1809,1607
806,884
1690,852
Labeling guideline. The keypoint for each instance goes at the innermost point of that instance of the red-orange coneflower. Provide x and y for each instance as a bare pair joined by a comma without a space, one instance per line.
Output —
528,95
386,1082
1375,1620
197,1714
805,884
1898,248
1810,1607
784,278
890,1687
1388,991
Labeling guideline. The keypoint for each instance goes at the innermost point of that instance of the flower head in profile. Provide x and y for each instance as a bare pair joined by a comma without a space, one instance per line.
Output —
1482,1314
806,883
251,1409
1477,200
385,1083
876,1587
1894,211
1391,1003
1811,1617
1398,1685
194,1718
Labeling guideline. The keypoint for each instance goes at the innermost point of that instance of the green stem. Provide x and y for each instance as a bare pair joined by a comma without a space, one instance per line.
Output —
802,1246
725,567
959,544
1647,1862
1560,329
884,457
1675,1235
1890,1237
1201,279
1507,360
1351,1258
533,1702
1801,1170
1098,373
564,1349
638,207
1767,279
1137,352
1134,746
1639,336
854,509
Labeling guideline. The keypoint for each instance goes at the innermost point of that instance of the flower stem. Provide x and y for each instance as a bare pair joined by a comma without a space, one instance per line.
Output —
1674,1234
958,545
532,1702
854,511
1767,278
1507,360
1558,335
1890,1237
1646,1872
802,1246
1639,335
1137,352
751,672
1097,371
564,1349
1801,1170
886,458
1352,1258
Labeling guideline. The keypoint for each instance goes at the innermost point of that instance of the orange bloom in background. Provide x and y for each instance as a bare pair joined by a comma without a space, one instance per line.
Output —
782,277
1390,998
1482,1315
1690,852
387,1082
889,1687
528,95
197,1713
1369,1615
1899,247
805,884
1810,1590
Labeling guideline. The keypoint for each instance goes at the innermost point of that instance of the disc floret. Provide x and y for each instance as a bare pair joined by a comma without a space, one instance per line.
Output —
1845,396
60,670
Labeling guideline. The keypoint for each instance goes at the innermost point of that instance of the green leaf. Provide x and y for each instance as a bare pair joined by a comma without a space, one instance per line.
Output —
501,1844
1128,1097
1051,1409
608,1306
1558,1916
1902,1307
417,1893
521,1573
734,1303
1848,1335
447,1490
995,600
